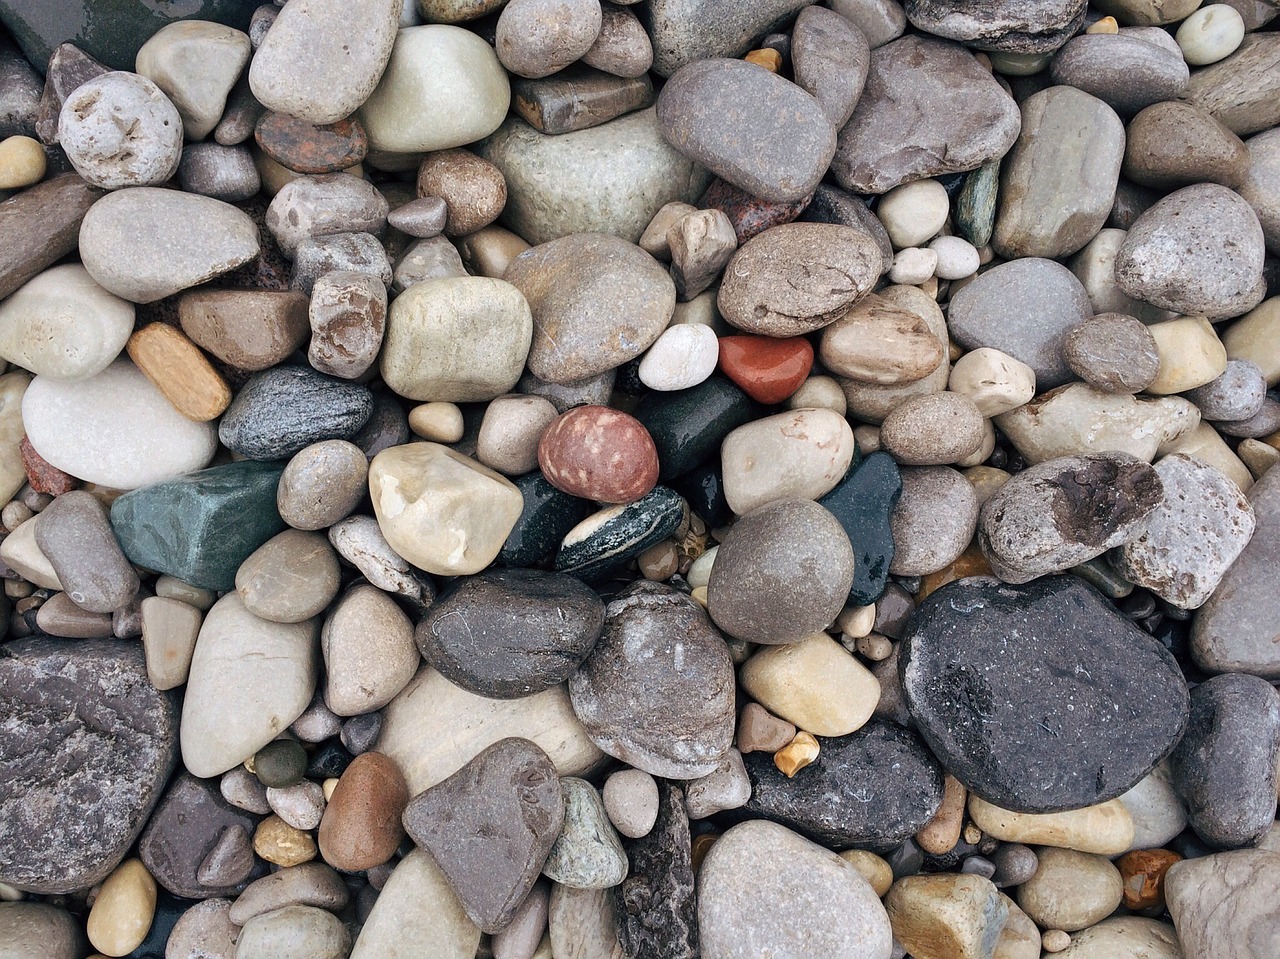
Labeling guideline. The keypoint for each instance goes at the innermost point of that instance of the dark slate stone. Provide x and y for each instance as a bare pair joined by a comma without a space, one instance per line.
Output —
490,826
872,789
86,746
594,550
1224,768
169,909
186,827
863,503
387,426
703,488
360,733
68,68
202,526
1017,26
1039,698
511,633
831,204
281,410
547,517
329,761
578,98
655,907
688,426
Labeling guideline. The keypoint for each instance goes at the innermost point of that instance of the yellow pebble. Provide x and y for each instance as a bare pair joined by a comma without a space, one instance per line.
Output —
770,59
121,915
797,754
22,163
329,786
1105,25
278,842
699,595
972,834
872,868
438,422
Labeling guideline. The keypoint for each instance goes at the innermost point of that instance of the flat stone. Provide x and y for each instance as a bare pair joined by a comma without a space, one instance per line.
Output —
200,527
863,503
1080,685
281,411
1191,539
1104,829
578,98
1124,71
369,653
506,634
871,789
1004,25
248,329
417,906
655,905
195,63
311,148
607,540
933,95
1224,902
1241,89
324,205
84,727
512,789
74,534
656,691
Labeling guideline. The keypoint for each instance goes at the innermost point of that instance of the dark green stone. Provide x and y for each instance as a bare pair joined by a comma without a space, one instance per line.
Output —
622,537
110,30
547,516
703,488
863,502
688,426
976,205
202,526
280,764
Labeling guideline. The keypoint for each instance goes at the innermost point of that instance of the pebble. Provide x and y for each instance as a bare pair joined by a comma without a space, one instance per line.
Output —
230,861
535,38
946,915
726,787
195,63
588,853
700,244
933,520
682,34
680,358
289,578
348,315
800,454
506,634
843,917
1174,144
957,258
169,631
510,432
657,689
1071,890
913,213
39,929
281,844
994,381
295,931
309,884
361,825
622,48
1210,34
933,430
598,453
1124,936
248,329
1238,393
146,243
830,57
417,905
348,252
204,932
120,130
630,799
424,217
1259,186
1126,71
1221,902
879,341
1104,829
473,189
76,538
525,937
1119,712
315,206
432,259
22,162
813,683
768,369
1113,352
914,265
281,411
863,504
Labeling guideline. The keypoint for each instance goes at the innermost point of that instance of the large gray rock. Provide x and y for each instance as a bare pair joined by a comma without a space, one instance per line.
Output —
1125,71
88,745
928,107
1016,26
687,30
1226,904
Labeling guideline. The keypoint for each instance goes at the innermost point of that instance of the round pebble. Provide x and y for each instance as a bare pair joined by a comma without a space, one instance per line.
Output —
1212,33
120,130
280,764
681,358
599,453
22,162
913,213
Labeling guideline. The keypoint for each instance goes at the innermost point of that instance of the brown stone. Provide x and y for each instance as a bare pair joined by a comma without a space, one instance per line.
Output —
180,371
599,453
1174,144
250,329
348,316
68,67
284,845
41,225
361,827
578,98
307,148
473,188
877,341
44,477
1142,872
749,215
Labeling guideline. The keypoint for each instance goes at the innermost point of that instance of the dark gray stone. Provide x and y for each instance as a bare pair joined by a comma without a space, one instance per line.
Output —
348,252
871,789
68,67
511,633
830,204
655,907
87,747
20,89
1015,26
1237,394
606,541
230,861
687,30
657,690
490,826
1225,766
1014,863
287,408
1039,698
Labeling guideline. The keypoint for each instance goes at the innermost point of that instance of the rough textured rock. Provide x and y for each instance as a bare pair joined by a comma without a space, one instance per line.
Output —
687,30
84,730
1042,697
1225,904
1015,26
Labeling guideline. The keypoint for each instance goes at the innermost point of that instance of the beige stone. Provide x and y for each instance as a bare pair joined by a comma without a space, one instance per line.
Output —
985,480
871,867
488,252
284,845
195,63
878,341
1125,937
417,916
801,454
654,238
22,554
814,683
439,422
121,915
936,429
13,386
1071,890
289,578
1020,937
946,916
510,431
1206,444
1256,336
369,651
820,393
995,381
169,631
1191,354
22,162
1106,828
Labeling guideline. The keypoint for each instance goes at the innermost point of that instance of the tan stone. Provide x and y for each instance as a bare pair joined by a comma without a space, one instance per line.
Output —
1191,355
877,341
871,867
1206,444
438,422
945,916
1106,828
278,842
369,652
121,915
1256,336
169,631
289,578
13,386
1020,937
941,833
22,162
22,554
801,454
417,916
815,684
995,381
1071,890
488,252
250,329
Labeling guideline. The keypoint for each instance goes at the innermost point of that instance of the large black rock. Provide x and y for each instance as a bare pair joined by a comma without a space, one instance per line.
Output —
1039,698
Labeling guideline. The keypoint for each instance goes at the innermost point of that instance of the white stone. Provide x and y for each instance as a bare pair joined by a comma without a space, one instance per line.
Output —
195,63
1125,937
1095,268
995,381
1210,34
63,325
682,357
801,454
114,429
20,552
13,387
321,59
700,572
301,805
249,680
913,266
725,787
119,130
417,916
443,87
1156,810
913,213
957,257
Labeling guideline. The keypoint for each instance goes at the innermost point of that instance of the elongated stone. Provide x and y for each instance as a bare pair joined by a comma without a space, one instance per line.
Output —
578,98
863,504
655,906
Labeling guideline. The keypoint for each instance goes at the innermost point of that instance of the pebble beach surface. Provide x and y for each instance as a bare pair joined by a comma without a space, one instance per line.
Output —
652,479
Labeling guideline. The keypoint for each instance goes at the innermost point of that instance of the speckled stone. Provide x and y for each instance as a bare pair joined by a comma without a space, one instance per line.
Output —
1012,26
588,854
283,410
599,453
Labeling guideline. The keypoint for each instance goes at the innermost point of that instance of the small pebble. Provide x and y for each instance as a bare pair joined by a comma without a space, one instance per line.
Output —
631,800
1211,33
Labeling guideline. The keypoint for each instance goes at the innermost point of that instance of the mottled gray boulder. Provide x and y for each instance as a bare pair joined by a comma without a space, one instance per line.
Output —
1016,26
687,30
1125,71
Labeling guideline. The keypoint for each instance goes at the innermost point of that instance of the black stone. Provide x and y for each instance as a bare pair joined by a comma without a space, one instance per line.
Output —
86,747
547,517
688,426
863,503
286,408
655,907
329,761
703,488
511,633
872,789
1224,768
593,554
906,859
169,909
1039,698
186,826
280,764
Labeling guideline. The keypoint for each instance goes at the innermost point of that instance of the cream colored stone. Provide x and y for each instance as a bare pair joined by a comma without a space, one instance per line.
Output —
818,393
1106,828
169,631
20,552
439,422
1212,33
946,916
1125,937
1207,445
417,916
195,63
814,683
510,431
121,915
440,510
995,381
1257,456
13,386
1020,937
22,162
1256,336
413,720
913,213
871,867
1156,809
1071,890
801,454
857,621
913,266
882,342
985,447
941,833
489,250
1191,355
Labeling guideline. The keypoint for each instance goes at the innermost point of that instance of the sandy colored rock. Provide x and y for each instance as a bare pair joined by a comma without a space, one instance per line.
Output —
1106,829
814,683
947,915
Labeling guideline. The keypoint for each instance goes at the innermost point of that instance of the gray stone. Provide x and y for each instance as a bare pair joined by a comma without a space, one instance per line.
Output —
68,67
310,884
348,314
1243,91
292,933
655,905
830,204
657,691
928,108
120,130
84,730
1225,904
1261,188
1124,71
1263,423
20,90
432,258
684,31
1024,308
1190,540
35,929
225,173
754,129
1013,26
360,542
1112,352
1237,394
1225,766
535,38
204,931
830,58
622,48
933,521
229,862
347,252
588,854
285,409
74,534
315,206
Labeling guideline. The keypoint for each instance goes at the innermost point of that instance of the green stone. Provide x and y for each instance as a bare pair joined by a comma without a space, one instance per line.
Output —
588,854
280,764
110,30
976,204
202,526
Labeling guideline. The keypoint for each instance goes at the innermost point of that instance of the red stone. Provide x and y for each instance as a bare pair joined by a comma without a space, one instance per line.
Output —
599,453
749,215
307,148
43,477
767,368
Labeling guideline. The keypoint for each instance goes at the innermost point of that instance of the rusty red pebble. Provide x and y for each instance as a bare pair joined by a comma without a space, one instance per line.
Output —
43,477
599,453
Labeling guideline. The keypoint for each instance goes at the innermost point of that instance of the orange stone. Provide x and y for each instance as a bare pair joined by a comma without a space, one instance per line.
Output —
1142,872
768,369
44,477
599,453
765,57
701,846
362,826
969,563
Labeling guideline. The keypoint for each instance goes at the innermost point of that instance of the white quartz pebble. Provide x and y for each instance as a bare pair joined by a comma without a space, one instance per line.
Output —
1210,34
682,357
914,212
957,257
913,266
995,381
